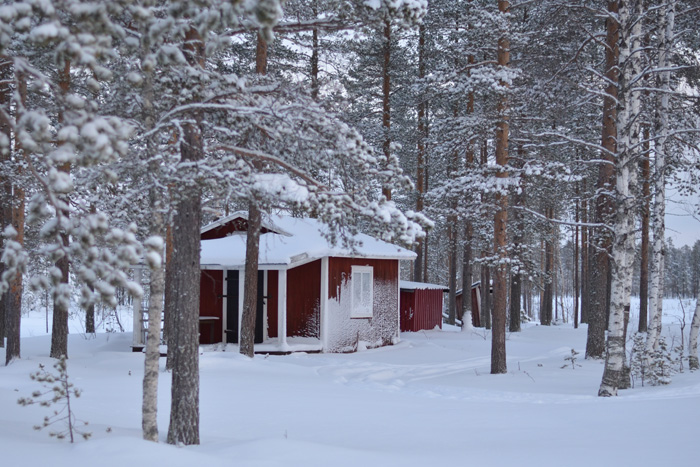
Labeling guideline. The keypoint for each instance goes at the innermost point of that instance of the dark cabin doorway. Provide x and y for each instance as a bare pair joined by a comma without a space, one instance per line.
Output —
233,278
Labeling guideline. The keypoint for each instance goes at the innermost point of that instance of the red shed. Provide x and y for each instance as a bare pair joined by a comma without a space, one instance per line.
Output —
476,303
312,295
421,306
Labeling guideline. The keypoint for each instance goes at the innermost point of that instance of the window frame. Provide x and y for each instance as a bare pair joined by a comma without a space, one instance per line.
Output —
361,310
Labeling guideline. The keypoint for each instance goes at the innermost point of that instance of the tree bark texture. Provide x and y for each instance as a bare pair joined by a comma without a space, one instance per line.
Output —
467,269
548,293
452,270
184,340
515,276
149,403
149,412
90,311
661,128
315,85
644,253
515,296
693,362
61,294
250,291
386,99
576,262
13,310
500,283
420,155
6,77
169,295
466,311
601,242
485,295
261,55
629,108
584,256
184,408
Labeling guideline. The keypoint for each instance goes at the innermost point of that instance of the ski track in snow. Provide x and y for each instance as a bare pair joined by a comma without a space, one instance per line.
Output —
428,400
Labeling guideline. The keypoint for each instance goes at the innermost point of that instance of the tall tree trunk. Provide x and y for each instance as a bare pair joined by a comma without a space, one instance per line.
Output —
516,276
314,56
515,298
584,255
452,234
485,294
61,299
261,55
250,291
6,77
500,283
184,340
600,263
548,295
169,295
13,311
386,102
693,362
466,310
661,126
13,317
467,306
184,408
576,259
90,311
149,406
629,99
644,259
452,268
149,403
420,156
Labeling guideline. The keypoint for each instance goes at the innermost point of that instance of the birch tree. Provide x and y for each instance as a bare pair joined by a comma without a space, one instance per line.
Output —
630,20
693,361
661,129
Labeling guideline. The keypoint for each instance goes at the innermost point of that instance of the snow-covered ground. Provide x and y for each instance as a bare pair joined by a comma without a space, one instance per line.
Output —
427,401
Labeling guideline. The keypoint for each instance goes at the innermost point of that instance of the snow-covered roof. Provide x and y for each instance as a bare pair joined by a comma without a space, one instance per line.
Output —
300,241
267,222
408,285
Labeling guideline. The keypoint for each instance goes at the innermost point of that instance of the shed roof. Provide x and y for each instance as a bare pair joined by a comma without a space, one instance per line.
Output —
408,285
298,241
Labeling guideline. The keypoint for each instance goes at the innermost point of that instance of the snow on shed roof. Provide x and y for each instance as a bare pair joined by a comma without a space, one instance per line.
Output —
300,241
408,285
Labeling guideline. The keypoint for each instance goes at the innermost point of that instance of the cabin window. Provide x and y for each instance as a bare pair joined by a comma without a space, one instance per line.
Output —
362,292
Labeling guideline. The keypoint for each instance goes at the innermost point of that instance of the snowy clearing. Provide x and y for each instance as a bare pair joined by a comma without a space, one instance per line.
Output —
429,400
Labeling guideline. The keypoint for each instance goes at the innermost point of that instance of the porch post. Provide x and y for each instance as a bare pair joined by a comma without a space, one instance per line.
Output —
241,290
282,309
324,304
398,301
224,305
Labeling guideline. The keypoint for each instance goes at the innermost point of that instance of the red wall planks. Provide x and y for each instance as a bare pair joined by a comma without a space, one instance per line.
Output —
304,300
339,270
210,305
421,309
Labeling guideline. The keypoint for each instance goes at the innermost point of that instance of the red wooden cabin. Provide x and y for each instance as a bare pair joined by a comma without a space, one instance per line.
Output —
421,306
476,303
312,296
